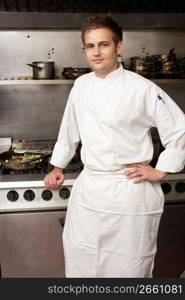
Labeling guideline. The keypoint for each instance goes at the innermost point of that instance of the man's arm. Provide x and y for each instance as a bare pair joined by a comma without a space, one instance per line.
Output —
143,172
68,137
65,147
162,112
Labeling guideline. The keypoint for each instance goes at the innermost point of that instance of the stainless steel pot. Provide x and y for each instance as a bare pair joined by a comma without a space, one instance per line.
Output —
43,69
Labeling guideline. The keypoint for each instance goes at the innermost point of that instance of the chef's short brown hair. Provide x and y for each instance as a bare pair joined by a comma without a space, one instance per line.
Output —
102,21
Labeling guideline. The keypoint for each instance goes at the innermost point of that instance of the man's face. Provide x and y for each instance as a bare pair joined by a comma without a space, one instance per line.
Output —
101,51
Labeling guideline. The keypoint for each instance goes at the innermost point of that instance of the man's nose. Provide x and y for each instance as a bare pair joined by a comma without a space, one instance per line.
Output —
97,50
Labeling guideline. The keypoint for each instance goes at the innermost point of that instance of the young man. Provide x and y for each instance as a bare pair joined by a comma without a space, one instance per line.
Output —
116,203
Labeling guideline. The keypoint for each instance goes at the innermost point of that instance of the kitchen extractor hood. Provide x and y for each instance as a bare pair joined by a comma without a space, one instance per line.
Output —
94,6
69,14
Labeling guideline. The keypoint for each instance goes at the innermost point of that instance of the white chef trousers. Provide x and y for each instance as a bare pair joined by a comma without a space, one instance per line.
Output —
111,226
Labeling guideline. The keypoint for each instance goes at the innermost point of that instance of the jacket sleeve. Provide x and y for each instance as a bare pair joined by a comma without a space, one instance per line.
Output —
68,137
169,119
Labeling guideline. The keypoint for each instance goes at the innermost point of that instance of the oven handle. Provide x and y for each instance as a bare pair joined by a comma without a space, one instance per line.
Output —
62,220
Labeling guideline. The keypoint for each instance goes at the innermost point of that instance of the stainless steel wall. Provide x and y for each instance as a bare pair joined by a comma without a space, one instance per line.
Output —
35,111
17,48
32,111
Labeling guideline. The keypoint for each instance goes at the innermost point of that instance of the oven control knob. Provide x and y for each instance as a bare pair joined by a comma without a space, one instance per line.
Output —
29,195
64,193
180,187
47,195
166,187
12,196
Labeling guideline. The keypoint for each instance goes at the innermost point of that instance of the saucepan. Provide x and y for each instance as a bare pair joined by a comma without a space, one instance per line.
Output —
43,69
169,60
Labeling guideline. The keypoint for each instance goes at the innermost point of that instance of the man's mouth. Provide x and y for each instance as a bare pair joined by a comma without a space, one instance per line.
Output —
98,60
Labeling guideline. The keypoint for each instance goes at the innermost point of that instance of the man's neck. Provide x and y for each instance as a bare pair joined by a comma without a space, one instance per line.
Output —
104,74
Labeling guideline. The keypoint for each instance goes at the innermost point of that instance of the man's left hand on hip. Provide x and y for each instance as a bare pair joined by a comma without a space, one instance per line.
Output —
143,172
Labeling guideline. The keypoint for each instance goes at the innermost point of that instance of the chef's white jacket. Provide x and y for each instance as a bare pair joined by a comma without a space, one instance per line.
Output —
113,116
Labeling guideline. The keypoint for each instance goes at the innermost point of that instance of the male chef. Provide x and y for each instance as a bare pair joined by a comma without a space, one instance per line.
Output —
116,202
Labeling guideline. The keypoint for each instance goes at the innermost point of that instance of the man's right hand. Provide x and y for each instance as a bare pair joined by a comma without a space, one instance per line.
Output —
54,179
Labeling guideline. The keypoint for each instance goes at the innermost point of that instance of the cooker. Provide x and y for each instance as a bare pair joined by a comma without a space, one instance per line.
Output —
30,216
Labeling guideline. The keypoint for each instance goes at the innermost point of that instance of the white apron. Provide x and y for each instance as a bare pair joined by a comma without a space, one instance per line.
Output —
111,226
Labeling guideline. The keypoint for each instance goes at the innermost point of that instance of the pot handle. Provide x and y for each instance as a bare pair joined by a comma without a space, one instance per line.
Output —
34,66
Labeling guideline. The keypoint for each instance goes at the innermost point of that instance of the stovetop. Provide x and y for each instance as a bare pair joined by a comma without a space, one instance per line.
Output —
30,180
28,193
24,190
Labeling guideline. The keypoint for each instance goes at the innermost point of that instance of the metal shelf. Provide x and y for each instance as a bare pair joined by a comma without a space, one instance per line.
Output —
169,81
70,81
32,81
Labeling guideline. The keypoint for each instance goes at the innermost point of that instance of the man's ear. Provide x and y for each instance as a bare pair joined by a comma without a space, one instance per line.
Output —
119,47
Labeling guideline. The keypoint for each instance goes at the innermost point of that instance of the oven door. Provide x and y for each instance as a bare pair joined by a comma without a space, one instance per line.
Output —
170,257
31,244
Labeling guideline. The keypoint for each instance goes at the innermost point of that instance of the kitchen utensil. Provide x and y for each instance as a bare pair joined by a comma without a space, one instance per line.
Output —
43,69
22,151
146,66
25,161
5,161
73,73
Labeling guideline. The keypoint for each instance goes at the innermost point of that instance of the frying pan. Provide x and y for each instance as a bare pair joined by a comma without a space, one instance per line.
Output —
73,73
17,165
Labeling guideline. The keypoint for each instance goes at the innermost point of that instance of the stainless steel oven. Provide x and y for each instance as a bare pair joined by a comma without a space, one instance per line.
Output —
30,227
31,217
170,258
30,231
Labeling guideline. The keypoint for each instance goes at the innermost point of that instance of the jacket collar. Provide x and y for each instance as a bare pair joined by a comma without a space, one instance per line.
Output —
112,75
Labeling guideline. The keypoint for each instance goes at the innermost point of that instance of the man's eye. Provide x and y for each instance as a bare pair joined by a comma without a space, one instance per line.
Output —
88,46
104,45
